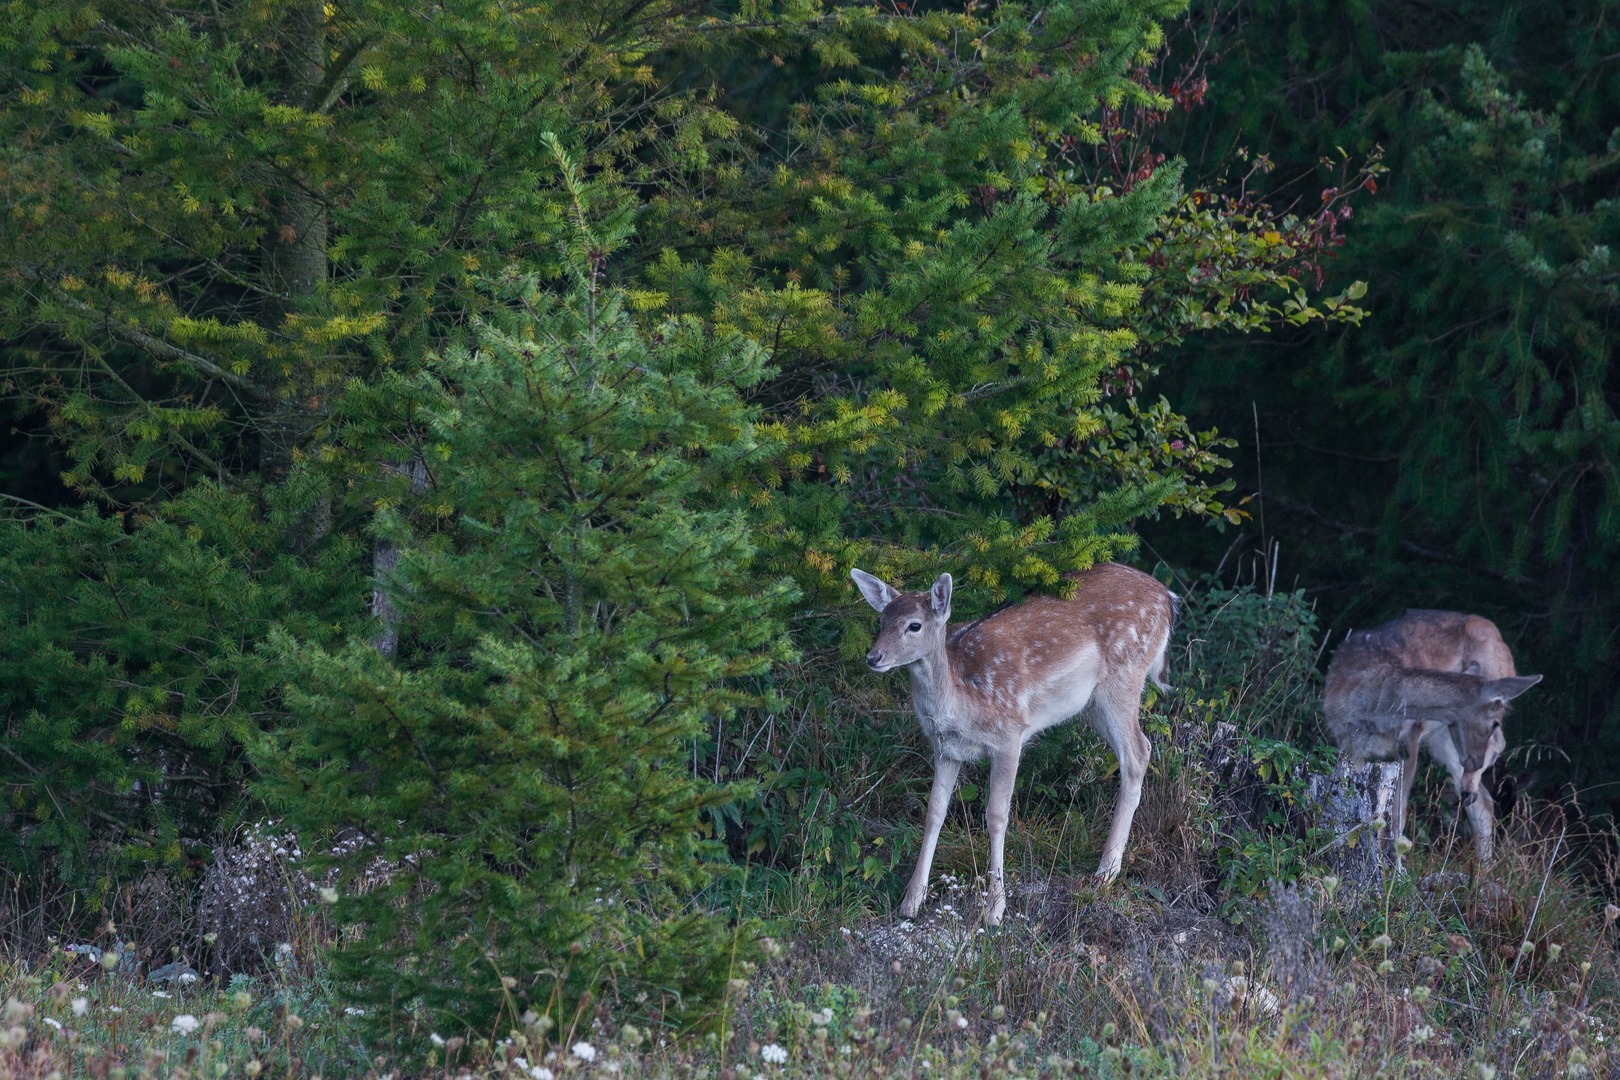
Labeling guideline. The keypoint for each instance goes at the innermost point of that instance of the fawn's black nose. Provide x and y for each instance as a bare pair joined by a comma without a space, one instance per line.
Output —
874,658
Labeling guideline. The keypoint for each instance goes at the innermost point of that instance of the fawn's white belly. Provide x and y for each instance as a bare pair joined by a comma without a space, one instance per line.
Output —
969,726
1063,691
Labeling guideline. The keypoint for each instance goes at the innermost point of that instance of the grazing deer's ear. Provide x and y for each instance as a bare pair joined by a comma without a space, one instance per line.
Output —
1507,689
879,593
940,595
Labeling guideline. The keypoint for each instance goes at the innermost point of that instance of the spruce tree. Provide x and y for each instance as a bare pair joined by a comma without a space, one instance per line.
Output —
578,602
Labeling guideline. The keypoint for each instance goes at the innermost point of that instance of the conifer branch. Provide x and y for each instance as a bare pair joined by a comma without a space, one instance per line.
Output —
159,347
1408,546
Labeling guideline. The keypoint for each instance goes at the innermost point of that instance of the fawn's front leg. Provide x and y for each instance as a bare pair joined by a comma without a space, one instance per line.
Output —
939,801
998,811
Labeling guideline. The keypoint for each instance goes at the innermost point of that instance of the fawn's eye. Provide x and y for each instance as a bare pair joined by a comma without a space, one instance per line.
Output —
914,627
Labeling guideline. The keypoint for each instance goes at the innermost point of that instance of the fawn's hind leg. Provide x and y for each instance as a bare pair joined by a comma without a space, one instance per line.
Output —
1115,711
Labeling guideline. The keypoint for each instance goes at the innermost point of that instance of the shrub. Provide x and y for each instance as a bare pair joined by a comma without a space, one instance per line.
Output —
129,677
572,603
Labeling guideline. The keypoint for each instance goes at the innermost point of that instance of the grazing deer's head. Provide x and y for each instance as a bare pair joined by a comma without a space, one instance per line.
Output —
912,624
1476,722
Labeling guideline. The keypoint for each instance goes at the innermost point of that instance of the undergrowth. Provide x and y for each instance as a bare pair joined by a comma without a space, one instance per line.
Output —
1229,947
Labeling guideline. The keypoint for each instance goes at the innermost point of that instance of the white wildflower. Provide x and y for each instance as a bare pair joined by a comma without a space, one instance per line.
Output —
1422,1033
114,1009
187,978
961,1021
185,1024
351,1010
328,895
774,1053
824,1017
584,1051
57,1024
81,1006
436,1039
160,993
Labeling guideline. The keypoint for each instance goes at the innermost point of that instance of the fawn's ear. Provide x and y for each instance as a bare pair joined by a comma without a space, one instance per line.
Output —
940,595
879,593
1507,689
1472,668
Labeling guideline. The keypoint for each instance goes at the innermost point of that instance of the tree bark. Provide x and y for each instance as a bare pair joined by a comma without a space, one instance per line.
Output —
1350,803
296,263
384,561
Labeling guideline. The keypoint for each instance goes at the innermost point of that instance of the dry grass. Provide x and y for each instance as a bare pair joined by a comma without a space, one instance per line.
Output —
1415,981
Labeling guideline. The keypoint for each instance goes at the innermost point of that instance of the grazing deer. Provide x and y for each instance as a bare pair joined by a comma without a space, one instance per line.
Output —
985,688
1436,679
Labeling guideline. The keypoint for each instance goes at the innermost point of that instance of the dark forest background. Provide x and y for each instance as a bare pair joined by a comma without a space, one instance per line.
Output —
1457,449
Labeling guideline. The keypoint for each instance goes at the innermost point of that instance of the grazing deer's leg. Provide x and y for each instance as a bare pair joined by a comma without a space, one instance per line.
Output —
1414,739
1482,816
1475,799
939,801
1114,710
998,809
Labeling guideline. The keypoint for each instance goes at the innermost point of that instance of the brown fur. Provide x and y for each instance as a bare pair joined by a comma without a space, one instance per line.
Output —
1440,680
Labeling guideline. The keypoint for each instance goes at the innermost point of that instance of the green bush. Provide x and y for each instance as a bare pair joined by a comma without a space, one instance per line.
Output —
129,676
1242,657
573,604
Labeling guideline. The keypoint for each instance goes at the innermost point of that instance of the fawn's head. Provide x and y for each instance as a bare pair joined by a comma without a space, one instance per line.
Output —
913,624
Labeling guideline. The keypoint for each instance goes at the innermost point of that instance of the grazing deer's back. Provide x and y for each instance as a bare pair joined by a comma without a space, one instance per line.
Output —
1380,672
1445,641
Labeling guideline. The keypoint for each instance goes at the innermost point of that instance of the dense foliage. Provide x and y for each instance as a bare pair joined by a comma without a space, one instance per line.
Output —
581,338
1457,449
567,621
131,670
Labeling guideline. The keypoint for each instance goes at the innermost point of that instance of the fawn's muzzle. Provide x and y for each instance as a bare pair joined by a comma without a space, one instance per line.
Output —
874,659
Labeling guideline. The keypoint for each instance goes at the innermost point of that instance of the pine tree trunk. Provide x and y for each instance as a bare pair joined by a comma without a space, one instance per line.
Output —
296,267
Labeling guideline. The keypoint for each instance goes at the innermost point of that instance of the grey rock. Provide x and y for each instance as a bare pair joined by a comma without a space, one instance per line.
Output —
177,973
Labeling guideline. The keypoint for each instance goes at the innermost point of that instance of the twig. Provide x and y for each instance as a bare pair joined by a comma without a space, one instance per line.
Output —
1530,926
